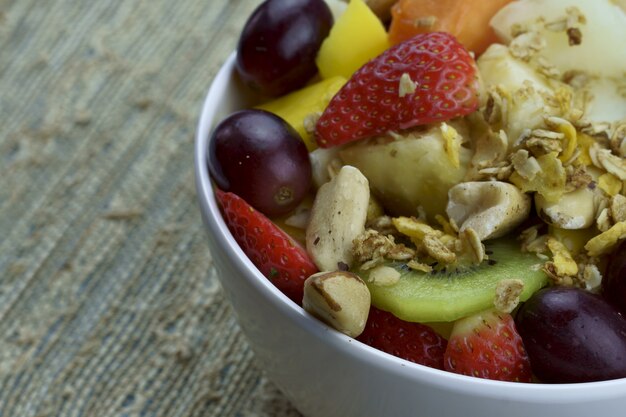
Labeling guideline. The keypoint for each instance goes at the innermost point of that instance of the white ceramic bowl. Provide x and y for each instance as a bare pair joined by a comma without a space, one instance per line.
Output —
327,374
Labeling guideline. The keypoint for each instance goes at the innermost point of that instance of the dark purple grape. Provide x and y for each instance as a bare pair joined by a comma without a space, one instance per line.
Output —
261,158
277,48
572,335
614,280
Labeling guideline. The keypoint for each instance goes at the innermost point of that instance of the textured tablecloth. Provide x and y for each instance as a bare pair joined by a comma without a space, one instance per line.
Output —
108,302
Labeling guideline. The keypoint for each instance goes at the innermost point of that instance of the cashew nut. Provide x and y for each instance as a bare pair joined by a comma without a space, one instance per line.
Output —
574,210
340,299
491,208
337,218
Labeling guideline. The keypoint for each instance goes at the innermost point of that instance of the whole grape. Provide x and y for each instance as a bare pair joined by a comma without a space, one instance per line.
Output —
277,48
572,335
260,157
614,280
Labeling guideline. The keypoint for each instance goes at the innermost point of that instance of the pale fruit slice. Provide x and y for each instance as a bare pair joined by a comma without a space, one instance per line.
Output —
448,296
602,27
411,171
356,37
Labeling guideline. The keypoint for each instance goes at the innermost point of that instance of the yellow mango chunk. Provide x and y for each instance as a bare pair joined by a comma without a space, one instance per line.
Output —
356,37
299,106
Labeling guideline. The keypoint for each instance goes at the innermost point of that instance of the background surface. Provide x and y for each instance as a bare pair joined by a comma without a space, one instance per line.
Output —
108,304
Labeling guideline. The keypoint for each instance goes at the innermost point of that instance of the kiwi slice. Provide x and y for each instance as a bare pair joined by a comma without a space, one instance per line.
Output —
449,295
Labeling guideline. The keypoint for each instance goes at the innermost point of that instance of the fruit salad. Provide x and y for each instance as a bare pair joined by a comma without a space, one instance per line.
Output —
444,181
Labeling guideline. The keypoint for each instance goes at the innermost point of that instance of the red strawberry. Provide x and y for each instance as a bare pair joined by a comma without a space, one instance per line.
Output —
370,103
414,342
274,252
487,345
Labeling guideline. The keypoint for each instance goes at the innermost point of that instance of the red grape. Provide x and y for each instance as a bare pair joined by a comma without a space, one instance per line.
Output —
261,158
614,280
572,335
277,48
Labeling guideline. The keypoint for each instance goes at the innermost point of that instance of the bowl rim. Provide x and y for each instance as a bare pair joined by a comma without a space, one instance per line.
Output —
539,392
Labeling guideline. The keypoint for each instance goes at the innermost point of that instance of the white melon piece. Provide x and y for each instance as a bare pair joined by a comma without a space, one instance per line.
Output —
601,51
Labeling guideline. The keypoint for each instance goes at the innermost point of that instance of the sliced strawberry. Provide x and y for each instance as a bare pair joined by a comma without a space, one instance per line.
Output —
274,252
414,342
487,345
373,102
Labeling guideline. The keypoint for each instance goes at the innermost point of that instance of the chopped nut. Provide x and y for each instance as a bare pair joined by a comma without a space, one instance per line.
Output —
337,218
407,85
340,299
507,296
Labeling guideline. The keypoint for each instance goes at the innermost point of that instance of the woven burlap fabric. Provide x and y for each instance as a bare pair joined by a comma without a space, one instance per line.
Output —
108,302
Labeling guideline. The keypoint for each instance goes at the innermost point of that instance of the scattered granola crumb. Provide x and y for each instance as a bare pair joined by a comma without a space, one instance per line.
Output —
592,278
437,250
419,266
384,276
310,121
371,245
507,296
471,244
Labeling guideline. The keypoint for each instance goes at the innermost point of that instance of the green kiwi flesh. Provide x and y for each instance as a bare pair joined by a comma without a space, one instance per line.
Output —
446,296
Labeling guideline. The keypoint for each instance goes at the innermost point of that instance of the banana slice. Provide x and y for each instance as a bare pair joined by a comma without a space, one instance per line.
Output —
414,170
